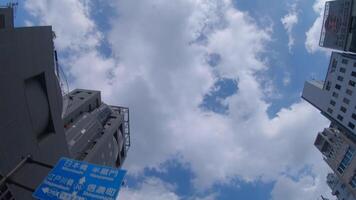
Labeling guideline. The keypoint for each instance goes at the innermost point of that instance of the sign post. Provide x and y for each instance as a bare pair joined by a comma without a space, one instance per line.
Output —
77,180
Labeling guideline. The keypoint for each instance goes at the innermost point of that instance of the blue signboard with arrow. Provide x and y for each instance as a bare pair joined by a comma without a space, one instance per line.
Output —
77,180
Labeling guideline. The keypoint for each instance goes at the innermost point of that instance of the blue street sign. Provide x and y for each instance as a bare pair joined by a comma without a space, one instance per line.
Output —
77,180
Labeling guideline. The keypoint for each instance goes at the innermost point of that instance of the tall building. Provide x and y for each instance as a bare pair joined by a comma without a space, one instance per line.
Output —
36,126
335,97
338,30
338,152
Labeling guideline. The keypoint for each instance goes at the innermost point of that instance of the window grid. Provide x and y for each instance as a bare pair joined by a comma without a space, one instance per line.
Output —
346,160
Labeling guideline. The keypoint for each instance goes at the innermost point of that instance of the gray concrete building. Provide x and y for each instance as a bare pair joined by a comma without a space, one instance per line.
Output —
338,188
36,128
338,152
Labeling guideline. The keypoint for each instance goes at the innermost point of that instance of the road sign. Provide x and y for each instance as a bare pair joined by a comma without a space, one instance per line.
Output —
77,180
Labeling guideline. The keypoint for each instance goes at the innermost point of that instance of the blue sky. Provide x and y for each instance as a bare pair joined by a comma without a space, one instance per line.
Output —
213,90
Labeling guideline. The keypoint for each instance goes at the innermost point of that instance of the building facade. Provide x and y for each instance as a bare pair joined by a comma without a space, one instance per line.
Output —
338,30
335,97
36,127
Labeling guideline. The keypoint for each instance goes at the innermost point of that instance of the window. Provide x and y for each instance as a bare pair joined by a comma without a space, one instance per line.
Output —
343,109
353,74
336,95
346,100
352,83
353,181
339,117
351,125
344,61
2,21
354,64
332,102
346,160
340,78
330,110
337,86
342,70
349,92
354,116
328,85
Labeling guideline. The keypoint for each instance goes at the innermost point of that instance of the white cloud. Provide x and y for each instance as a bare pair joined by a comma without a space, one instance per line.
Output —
289,21
159,70
313,34
70,20
150,189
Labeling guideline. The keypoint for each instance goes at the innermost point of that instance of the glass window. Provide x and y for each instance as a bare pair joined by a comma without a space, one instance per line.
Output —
2,21
353,74
342,70
339,117
346,100
337,86
353,181
346,160
335,94
349,92
340,78
344,61
332,102
352,83
328,85
330,110
354,116
351,125
343,109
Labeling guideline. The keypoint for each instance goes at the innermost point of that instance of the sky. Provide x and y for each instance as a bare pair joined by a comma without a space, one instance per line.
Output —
213,88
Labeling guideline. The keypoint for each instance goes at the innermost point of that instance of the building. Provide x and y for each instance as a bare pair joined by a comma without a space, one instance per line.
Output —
338,188
335,97
338,152
338,31
36,126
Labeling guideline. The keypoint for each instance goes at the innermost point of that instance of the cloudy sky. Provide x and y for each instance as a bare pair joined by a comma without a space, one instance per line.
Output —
213,88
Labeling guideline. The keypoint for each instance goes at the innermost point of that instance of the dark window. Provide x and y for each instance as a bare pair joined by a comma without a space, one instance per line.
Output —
344,61
346,100
354,116
349,92
354,64
351,125
353,181
353,74
332,102
343,109
2,21
352,83
335,94
339,117
342,70
330,110
346,160
328,85
337,86
340,78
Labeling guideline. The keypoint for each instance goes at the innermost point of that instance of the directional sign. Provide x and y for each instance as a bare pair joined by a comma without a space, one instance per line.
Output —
77,180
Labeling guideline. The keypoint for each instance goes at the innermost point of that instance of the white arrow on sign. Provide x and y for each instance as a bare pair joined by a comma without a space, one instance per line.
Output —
82,181
45,190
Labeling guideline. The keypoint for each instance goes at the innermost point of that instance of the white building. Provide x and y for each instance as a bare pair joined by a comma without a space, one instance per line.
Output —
336,96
